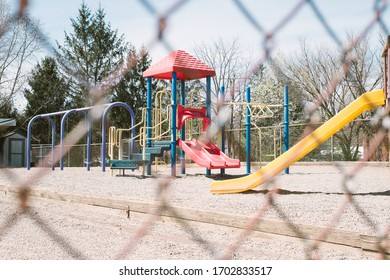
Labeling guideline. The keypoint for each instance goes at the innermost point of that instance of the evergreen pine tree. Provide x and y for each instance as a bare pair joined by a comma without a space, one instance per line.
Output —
132,89
90,53
46,94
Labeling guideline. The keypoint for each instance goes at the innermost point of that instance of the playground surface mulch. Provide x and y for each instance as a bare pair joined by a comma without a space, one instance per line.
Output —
312,194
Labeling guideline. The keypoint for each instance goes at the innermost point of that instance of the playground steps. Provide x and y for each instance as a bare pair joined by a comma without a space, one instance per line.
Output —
158,148
138,157
162,143
134,160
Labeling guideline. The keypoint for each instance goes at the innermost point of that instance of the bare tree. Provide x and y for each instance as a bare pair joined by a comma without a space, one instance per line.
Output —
311,70
20,41
231,65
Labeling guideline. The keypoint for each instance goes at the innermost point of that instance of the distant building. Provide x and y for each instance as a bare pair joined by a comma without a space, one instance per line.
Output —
12,145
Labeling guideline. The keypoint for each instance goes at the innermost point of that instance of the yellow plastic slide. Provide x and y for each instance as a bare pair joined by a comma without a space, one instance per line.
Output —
367,101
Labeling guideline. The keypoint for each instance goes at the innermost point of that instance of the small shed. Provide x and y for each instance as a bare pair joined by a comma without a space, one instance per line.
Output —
12,145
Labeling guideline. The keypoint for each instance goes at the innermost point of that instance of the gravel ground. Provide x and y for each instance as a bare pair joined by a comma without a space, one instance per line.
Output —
310,194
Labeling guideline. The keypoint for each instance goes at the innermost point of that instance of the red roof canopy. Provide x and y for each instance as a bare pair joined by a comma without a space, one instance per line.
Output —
186,66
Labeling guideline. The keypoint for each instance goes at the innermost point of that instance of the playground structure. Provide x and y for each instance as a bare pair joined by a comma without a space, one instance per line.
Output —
161,122
146,154
193,119
177,66
180,66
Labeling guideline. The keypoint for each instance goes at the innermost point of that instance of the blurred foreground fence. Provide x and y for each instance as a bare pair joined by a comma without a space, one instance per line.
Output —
264,149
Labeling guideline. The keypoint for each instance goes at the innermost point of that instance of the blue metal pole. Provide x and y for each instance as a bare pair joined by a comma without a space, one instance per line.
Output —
248,131
149,121
104,118
53,141
208,107
286,124
183,128
173,126
221,99
103,148
62,136
149,111
89,139
28,146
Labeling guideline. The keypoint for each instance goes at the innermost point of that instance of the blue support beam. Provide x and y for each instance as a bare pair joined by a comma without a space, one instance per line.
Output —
222,131
208,107
104,119
183,129
286,124
53,138
149,120
89,136
149,111
248,130
173,125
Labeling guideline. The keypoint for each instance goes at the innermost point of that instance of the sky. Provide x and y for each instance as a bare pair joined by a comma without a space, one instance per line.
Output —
205,21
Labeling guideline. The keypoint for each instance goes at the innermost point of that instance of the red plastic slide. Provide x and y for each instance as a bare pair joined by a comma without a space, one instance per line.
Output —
207,154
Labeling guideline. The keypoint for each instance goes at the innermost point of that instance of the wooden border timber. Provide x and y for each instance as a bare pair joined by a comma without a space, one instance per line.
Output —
134,208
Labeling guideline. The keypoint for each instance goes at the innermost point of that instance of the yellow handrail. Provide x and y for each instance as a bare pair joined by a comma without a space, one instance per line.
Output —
191,123
111,141
115,137
191,97
159,118
143,137
161,115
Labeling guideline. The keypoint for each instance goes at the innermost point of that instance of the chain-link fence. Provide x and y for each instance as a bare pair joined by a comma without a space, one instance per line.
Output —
161,217
266,144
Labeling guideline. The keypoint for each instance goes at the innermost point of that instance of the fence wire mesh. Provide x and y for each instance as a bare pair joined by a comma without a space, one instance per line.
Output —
23,207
